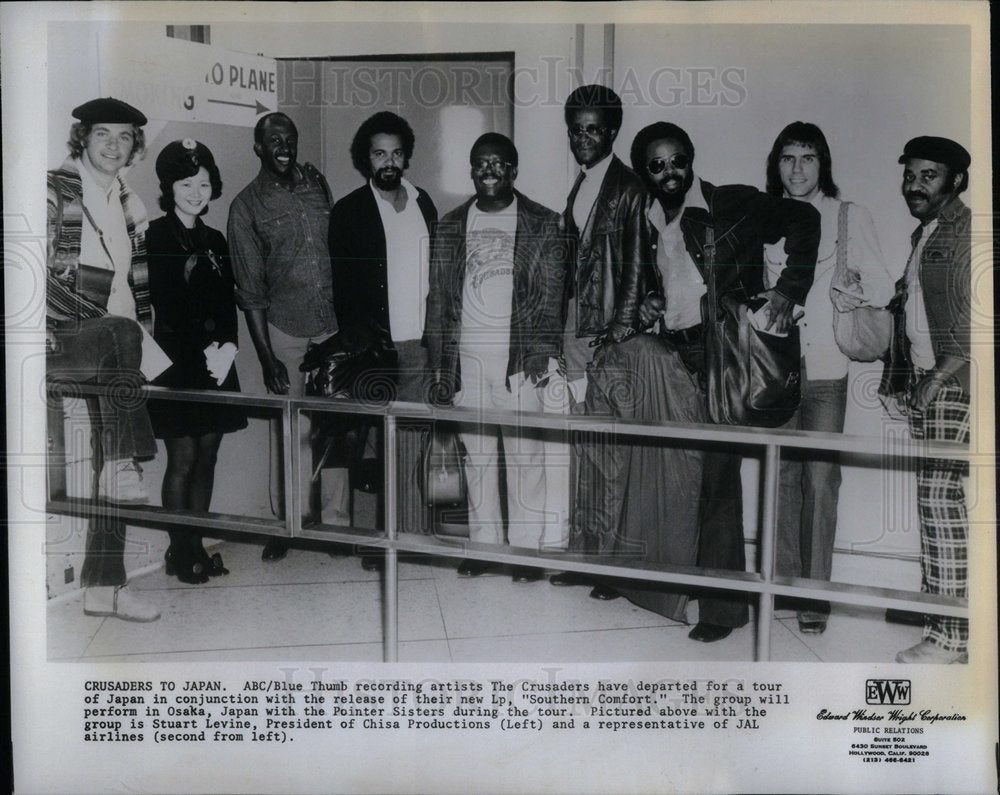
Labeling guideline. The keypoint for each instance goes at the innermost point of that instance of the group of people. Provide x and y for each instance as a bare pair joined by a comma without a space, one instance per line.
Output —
503,304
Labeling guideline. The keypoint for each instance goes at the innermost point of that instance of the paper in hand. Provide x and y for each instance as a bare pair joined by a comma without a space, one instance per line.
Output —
154,360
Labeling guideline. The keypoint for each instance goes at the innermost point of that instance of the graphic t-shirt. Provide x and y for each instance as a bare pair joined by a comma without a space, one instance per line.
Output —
489,283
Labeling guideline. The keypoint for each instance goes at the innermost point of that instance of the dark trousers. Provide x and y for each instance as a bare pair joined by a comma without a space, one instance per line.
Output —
720,514
104,561
106,350
720,540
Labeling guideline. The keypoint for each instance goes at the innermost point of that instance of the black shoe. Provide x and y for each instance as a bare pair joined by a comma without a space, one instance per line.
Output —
473,568
186,568
564,578
275,549
894,616
169,562
526,574
812,627
213,565
374,561
709,633
340,550
604,592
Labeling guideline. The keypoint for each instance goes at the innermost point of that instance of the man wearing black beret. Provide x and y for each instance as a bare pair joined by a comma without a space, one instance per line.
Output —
97,295
938,314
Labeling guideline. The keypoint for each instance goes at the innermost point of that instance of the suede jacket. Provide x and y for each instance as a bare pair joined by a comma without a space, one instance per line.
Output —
541,251
612,259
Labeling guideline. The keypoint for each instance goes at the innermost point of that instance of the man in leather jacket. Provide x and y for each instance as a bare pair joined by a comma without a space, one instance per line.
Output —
681,209
604,216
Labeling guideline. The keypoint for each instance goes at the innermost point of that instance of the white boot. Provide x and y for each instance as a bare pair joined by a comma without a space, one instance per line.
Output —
121,483
929,652
118,602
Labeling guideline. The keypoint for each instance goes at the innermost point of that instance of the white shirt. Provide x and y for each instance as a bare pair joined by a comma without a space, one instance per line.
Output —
105,207
593,177
823,358
488,289
917,329
407,248
683,285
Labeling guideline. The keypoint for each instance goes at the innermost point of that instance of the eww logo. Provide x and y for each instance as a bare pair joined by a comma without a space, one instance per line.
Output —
887,691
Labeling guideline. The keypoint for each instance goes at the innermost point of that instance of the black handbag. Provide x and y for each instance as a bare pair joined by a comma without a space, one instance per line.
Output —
752,377
354,363
897,370
443,481
94,284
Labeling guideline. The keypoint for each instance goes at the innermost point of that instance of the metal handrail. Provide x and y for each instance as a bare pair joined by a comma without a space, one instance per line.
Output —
764,584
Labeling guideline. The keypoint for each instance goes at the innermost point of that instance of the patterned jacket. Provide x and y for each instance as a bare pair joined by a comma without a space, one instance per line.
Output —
65,219
945,272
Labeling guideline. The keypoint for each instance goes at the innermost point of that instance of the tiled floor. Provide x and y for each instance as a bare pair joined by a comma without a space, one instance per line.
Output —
311,606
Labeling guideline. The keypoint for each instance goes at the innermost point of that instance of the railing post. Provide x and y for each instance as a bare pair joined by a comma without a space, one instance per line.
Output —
293,466
390,649
769,522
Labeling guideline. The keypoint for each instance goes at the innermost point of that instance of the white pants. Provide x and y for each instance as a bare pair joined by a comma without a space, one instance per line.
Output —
484,386
555,396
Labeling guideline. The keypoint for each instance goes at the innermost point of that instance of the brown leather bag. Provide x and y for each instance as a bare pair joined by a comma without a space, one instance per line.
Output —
752,377
443,482
443,479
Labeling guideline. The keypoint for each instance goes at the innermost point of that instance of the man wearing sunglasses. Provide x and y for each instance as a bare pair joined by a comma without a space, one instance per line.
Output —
493,333
681,208
604,216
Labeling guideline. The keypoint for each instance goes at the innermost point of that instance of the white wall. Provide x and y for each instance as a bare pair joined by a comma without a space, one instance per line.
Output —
538,129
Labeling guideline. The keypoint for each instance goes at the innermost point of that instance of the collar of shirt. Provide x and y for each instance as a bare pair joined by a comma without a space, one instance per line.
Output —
694,198
265,178
597,171
478,220
91,186
411,192
589,188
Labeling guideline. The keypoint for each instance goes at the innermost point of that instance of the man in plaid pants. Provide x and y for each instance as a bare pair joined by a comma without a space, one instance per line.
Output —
938,319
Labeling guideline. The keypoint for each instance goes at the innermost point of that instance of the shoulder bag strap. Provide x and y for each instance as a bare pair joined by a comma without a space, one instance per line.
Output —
100,232
713,306
841,265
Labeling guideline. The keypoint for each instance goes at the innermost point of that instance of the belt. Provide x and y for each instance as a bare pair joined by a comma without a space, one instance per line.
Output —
685,335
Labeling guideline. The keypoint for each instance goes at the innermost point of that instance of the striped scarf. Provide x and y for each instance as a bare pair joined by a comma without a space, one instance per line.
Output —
65,225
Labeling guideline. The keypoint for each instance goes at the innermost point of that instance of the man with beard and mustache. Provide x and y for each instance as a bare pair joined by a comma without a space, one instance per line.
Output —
277,243
379,239
681,208
938,319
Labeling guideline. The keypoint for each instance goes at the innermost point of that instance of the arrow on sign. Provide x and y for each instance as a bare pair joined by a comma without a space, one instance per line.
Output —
259,108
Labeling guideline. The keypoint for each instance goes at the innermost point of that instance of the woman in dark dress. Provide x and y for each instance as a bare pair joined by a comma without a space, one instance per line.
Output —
191,286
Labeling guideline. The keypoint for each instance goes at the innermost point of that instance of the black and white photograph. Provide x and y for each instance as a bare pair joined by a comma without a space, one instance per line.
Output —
421,387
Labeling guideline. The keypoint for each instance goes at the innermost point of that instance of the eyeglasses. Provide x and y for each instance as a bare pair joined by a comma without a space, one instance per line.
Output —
480,166
591,131
678,161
